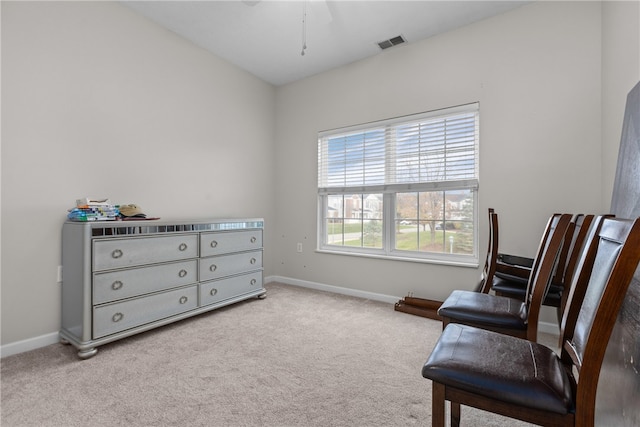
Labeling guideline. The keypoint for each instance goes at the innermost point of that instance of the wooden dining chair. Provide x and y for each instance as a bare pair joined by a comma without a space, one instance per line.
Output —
488,272
528,381
559,289
507,315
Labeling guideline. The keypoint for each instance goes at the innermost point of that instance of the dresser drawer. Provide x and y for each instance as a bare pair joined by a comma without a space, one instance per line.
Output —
120,284
111,318
119,253
220,290
229,241
227,265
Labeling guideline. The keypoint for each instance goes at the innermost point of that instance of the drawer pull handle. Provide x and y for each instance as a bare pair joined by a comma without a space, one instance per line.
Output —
253,239
213,267
182,273
214,243
213,291
183,300
182,247
117,317
253,261
116,285
253,282
116,254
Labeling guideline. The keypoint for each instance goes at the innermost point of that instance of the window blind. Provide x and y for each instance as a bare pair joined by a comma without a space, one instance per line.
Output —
434,150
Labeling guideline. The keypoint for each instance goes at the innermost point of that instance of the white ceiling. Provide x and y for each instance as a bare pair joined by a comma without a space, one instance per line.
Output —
265,37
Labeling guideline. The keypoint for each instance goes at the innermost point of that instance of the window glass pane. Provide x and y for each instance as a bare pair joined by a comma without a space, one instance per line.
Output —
433,214
334,220
335,206
355,220
432,208
431,236
407,207
435,221
335,231
407,221
353,232
459,222
372,233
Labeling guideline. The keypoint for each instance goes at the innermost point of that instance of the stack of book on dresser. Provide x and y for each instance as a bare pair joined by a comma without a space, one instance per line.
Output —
93,210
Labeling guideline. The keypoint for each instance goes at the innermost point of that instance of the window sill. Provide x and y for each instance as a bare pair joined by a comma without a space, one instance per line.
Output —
472,263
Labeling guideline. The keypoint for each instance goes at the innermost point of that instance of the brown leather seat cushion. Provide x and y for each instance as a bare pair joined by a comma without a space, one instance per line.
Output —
500,366
484,309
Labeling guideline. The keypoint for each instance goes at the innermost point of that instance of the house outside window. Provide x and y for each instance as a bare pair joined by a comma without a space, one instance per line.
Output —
403,188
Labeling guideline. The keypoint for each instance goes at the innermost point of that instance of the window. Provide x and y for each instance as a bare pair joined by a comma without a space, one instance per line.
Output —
402,188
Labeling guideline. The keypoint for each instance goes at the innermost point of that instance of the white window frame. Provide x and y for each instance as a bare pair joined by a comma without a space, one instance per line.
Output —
389,189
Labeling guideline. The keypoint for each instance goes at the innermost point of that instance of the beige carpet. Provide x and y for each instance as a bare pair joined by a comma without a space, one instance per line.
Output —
298,358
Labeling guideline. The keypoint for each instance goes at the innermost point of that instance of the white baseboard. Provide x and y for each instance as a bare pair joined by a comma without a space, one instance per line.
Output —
52,338
546,327
29,344
335,289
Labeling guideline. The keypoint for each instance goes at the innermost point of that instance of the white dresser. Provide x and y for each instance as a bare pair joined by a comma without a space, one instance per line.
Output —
125,277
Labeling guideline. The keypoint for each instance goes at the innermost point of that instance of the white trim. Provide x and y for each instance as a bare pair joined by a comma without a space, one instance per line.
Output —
401,256
472,107
335,289
53,337
546,327
29,344
451,185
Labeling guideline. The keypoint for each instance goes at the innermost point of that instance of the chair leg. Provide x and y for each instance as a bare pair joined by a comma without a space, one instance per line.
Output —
455,414
437,405
445,322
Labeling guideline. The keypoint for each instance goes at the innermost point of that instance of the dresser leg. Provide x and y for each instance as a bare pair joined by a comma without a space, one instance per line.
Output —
86,354
262,296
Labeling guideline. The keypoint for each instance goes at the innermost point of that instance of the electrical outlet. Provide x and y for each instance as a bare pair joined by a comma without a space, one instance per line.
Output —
59,279
299,248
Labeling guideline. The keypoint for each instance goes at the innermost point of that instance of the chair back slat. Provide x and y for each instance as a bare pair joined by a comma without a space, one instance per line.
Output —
569,240
574,288
582,229
543,247
489,270
542,271
543,267
577,290
544,241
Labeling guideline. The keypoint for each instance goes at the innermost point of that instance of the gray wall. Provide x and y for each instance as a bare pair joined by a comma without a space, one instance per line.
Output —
536,72
100,102
97,101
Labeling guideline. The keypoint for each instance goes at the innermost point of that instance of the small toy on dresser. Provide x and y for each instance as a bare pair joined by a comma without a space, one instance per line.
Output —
133,212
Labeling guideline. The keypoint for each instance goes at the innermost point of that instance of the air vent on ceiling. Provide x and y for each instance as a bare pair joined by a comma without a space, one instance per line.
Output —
385,44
